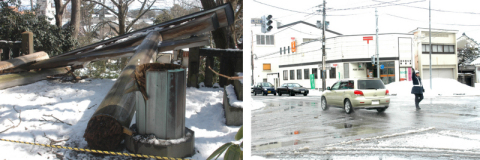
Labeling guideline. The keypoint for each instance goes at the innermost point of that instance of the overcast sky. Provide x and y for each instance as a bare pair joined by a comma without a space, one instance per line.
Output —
360,14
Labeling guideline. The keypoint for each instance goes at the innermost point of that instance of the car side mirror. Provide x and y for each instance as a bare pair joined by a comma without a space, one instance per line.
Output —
328,88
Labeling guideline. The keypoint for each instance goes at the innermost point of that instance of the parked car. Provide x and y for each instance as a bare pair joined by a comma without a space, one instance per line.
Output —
364,93
292,89
264,88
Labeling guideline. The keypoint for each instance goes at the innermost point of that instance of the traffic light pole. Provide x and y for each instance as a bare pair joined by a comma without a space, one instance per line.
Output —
324,72
378,57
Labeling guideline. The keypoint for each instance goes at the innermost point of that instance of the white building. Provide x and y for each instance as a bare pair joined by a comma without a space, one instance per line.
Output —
347,56
266,47
444,53
47,8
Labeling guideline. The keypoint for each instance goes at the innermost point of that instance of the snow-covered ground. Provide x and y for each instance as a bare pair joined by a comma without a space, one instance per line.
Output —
40,104
441,87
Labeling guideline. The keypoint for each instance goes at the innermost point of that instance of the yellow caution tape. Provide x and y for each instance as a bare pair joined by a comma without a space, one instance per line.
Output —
95,151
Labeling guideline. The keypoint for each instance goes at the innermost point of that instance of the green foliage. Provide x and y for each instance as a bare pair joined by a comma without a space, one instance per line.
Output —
233,151
109,69
46,37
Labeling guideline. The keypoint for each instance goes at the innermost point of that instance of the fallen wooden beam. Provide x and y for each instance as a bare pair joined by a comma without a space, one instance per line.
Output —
22,60
12,80
105,129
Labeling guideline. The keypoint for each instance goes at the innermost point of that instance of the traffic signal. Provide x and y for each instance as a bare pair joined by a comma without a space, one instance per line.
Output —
373,60
267,23
320,25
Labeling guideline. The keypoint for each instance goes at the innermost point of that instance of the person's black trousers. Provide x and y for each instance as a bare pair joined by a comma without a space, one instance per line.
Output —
418,98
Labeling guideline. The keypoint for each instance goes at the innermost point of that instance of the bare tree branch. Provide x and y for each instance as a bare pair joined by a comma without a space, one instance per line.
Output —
140,15
20,118
116,13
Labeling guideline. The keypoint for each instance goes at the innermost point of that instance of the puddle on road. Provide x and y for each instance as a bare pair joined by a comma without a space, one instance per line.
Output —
269,105
272,145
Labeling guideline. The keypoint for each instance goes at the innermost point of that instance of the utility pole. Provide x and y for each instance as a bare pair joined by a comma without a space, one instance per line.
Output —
324,72
376,39
252,57
430,39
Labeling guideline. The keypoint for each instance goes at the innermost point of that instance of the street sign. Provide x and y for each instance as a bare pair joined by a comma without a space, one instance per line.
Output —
368,39
381,66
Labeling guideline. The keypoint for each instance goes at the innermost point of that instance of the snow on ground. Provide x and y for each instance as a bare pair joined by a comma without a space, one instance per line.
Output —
314,92
441,87
232,97
43,102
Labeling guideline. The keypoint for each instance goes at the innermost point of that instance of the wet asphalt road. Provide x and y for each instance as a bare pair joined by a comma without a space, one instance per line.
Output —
287,124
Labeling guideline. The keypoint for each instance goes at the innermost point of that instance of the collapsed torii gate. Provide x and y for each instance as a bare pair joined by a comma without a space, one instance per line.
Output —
105,128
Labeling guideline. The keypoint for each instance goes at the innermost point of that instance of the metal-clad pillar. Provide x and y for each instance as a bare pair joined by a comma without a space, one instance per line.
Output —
163,114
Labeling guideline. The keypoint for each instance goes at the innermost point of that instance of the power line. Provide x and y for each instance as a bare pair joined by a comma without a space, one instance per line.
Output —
438,10
467,25
375,5
281,8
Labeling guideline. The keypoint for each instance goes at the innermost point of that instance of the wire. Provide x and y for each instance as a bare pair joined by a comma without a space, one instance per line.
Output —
468,25
375,6
281,8
438,10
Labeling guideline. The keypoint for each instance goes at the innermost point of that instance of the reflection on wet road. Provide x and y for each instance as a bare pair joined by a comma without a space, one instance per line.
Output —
290,123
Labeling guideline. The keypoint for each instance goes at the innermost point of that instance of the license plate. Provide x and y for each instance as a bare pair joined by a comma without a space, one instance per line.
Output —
302,91
375,102
269,91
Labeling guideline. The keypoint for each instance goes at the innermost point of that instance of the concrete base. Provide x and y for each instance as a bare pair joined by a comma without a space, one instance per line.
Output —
233,115
238,89
180,150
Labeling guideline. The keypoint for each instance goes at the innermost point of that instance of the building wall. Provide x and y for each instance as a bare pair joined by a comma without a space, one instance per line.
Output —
442,37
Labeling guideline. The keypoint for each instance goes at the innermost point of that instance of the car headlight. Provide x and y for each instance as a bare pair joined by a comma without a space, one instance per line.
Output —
265,89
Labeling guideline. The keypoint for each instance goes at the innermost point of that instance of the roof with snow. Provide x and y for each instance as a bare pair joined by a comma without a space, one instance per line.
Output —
476,62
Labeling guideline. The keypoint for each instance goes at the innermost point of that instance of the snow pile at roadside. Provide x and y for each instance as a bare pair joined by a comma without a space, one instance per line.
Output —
255,104
201,84
441,87
216,85
314,92
42,103
232,97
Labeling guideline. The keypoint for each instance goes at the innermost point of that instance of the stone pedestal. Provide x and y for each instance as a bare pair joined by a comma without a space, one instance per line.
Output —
233,115
178,150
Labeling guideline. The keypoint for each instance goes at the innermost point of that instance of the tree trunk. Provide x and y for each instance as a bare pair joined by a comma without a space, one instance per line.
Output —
12,63
75,23
121,23
58,13
12,80
104,130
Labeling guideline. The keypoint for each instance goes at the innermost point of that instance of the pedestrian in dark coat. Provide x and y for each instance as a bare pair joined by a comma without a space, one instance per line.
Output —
417,88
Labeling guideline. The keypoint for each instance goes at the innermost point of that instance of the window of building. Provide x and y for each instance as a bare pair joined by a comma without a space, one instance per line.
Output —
305,74
285,74
292,74
267,66
444,49
265,39
299,73
333,73
315,73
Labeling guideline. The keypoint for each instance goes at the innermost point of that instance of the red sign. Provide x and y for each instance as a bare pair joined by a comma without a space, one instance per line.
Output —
293,38
368,39
335,65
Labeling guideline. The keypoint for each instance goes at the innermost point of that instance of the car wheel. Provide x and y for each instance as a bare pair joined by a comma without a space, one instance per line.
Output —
275,94
381,109
292,94
324,103
348,107
304,94
279,93
255,93
264,94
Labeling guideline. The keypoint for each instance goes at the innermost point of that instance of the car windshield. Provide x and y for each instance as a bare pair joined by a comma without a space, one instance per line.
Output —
296,85
370,84
266,84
